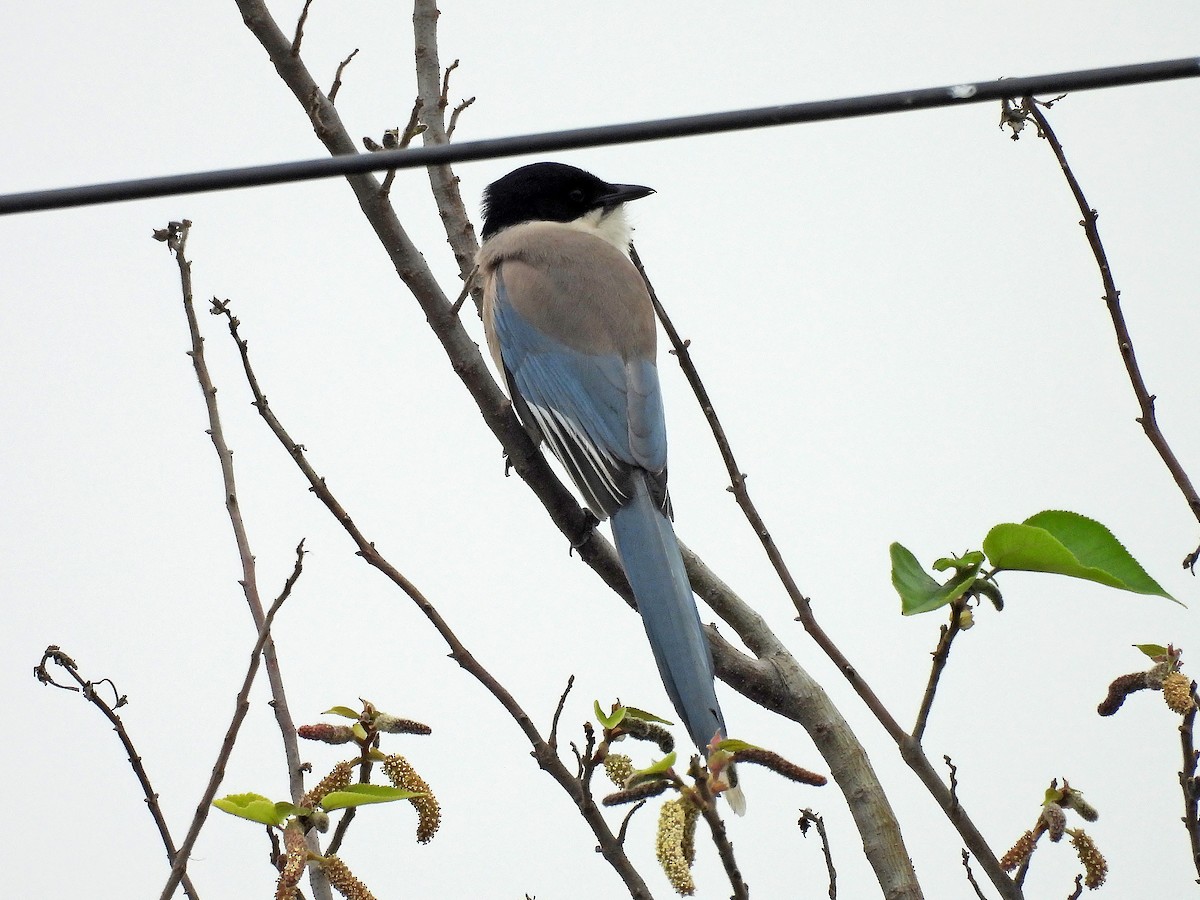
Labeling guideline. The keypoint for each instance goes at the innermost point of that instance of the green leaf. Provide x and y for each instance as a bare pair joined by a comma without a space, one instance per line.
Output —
287,810
341,711
972,560
361,794
359,731
1152,650
634,713
1066,543
657,768
732,745
919,592
611,720
254,807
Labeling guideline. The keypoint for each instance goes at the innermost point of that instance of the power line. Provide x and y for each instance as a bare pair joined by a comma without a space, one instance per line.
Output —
632,132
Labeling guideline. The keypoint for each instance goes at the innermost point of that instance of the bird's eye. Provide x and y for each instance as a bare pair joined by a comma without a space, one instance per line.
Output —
576,196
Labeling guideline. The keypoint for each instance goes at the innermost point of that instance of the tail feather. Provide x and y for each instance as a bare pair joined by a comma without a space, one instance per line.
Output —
650,554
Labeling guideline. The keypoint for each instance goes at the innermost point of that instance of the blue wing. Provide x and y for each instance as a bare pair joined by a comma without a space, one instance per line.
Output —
601,415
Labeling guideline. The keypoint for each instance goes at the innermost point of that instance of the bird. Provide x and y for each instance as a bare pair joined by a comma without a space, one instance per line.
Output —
571,328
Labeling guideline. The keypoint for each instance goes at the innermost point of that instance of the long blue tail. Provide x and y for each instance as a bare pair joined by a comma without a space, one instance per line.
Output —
650,554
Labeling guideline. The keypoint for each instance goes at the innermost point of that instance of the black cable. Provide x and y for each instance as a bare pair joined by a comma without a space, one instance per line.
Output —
710,123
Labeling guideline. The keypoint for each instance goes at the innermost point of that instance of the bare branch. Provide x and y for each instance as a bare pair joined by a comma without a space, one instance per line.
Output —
1148,419
966,863
562,702
175,235
300,29
87,688
1188,781
716,826
343,825
941,655
458,111
337,77
546,757
953,777
868,803
241,707
625,821
807,817
432,87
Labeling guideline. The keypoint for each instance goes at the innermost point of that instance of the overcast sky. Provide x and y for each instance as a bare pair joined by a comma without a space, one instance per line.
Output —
899,321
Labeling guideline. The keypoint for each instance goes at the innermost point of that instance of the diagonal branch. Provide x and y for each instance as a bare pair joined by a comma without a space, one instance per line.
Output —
608,844
775,680
175,235
1112,298
87,688
241,708
874,818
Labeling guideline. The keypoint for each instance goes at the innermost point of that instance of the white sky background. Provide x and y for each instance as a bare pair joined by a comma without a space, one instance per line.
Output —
898,319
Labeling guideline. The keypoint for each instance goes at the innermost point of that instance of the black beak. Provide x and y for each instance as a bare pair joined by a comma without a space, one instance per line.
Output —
616,194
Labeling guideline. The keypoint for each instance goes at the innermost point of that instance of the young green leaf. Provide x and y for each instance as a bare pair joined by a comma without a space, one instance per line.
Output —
361,794
254,807
1066,543
341,711
1152,650
611,720
919,592
634,713
732,745
657,768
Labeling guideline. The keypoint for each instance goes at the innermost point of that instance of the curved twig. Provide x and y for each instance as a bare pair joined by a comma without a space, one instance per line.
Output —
57,656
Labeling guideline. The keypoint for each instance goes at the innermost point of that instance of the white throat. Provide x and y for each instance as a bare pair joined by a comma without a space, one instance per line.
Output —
612,225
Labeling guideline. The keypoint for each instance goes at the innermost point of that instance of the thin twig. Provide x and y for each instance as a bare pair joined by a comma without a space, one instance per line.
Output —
953,777
458,111
337,78
444,97
966,863
1188,781
87,688
1148,419
300,28
175,235
910,750
468,284
621,832
1078,892
562,702
807,817
716,826
343,825
941,656
241,707
400,140
545,756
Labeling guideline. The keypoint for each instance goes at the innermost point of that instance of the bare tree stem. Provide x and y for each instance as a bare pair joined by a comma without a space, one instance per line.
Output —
241,708
1188,782
941,656
88,689
546,757
176,235
1112,298
890,859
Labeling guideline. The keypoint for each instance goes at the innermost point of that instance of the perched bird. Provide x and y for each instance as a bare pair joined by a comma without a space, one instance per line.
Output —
571,327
